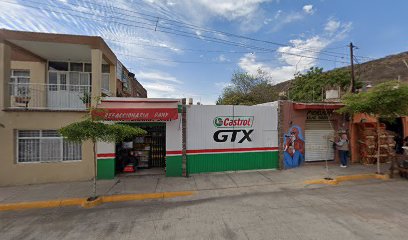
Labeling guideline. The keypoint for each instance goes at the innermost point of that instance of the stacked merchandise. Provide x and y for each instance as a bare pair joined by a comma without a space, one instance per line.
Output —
128,160
141,147
368,141
389,144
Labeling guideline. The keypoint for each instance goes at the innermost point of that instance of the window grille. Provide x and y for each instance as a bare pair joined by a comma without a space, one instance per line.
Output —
45,146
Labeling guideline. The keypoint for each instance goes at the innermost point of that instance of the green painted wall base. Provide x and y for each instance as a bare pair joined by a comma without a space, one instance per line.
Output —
221,162
174,166
106,168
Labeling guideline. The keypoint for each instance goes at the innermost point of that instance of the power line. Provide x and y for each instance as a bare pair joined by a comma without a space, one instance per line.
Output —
169,60
155,19
216,31
185,49
181,23
210,39
181,61
182,33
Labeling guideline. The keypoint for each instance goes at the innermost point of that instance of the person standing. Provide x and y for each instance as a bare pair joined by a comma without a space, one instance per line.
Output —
343,148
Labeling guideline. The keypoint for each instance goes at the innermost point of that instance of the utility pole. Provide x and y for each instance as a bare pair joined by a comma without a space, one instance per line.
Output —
353,87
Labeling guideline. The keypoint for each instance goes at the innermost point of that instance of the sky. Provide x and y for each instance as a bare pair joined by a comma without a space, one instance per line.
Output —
191,48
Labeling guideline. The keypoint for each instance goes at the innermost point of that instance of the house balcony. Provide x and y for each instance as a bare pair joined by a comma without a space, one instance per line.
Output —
54,97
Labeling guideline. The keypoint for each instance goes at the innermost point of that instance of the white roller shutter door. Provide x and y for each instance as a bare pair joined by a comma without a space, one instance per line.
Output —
317,144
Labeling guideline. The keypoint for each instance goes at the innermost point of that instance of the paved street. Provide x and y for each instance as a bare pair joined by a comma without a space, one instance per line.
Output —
369,209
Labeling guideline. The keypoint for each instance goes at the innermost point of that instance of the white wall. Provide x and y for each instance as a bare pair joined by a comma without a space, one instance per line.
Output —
201,128
173,135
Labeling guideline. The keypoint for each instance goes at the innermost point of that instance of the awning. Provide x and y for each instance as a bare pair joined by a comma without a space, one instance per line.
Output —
132,109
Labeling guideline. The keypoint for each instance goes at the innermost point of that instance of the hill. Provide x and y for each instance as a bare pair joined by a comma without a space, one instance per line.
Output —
392,67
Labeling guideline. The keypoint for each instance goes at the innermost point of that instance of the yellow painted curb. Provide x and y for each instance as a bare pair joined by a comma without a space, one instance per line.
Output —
176,194
41,204
90,204
82,201
322,181
131,197
355,177
340,179
383,176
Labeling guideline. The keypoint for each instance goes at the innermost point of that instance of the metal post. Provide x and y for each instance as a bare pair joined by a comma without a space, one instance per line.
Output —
352,68
184,137
281,119
378,147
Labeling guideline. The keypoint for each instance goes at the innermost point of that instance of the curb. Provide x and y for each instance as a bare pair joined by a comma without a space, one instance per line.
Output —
321,181
85,204
340,179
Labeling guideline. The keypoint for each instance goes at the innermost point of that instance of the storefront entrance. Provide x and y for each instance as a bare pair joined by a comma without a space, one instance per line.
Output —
395,127
318,134
143,155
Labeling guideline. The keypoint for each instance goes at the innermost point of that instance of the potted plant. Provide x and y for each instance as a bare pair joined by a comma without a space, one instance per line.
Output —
23,95
86,99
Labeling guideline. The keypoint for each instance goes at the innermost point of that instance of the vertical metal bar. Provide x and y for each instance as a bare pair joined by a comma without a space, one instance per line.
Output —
280,132
183,137
352,68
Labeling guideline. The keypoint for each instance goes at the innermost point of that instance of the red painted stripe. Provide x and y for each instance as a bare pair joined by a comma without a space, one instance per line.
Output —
225,150
143,101
105,155
232,150
173,152
127,109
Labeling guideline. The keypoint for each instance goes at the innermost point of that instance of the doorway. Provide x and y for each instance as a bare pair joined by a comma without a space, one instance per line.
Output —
396,128
317,141
144,155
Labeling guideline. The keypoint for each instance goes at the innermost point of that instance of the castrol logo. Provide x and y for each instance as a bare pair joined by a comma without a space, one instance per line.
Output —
233,121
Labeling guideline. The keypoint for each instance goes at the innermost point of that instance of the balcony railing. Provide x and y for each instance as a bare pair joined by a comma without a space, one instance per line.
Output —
49,96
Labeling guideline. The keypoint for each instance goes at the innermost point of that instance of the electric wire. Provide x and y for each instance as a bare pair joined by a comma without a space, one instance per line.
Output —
155,18
144,23
210,39
105,6
184,24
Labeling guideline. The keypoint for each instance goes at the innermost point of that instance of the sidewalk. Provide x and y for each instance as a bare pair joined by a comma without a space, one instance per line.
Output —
200,182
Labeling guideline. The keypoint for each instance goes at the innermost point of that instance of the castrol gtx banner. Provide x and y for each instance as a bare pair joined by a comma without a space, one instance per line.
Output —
231,128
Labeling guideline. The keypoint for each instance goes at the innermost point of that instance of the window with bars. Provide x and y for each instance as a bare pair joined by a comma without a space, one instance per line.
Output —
45,146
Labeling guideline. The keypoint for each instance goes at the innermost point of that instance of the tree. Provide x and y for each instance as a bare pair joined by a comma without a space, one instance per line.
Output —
386,100
247,89
93,129
309,86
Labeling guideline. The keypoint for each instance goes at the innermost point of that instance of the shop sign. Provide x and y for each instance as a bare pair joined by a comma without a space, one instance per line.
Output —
318,115
224,135
138,114
233,122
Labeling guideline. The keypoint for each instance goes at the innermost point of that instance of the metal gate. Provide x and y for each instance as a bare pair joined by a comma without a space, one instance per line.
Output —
158,146
317,144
